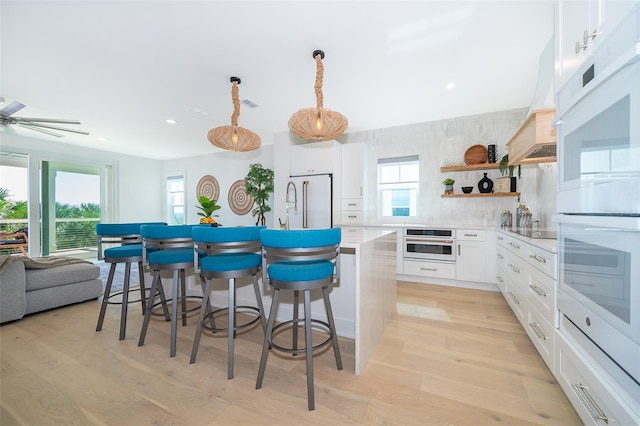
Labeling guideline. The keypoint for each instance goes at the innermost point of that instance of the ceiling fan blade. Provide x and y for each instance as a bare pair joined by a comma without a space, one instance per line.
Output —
45,120
30,127
7,128
52,127
12,108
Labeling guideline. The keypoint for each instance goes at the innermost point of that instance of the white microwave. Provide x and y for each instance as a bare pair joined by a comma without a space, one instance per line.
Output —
599,130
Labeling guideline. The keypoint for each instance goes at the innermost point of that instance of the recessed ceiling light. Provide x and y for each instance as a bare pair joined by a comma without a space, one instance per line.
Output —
450,85
102,139
170,121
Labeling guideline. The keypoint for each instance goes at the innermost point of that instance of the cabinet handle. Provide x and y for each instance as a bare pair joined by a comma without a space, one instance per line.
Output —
499,279
536,329
352,217
580,46
500,238
514,245
513,268
538,290
458,249
352,204
538,258
587,400
361,191
586,36
429,269
499,256
514,298
470,235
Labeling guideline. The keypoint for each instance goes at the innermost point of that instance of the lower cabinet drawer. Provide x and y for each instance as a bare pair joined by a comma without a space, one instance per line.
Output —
517,301
352,204
588,392
352,218
541,333
541,290
430,269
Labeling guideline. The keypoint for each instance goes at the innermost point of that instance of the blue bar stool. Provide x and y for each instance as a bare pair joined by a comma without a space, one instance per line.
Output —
300,260
128,249
227,253
168,248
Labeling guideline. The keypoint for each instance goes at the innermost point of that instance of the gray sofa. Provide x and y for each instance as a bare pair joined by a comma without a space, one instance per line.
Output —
34,285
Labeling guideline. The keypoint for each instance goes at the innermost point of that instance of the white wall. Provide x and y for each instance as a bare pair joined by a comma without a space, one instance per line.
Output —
138,181
227,167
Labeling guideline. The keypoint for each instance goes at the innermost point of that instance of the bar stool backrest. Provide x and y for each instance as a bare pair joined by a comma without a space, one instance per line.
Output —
119,233
300,246
165,237
209,240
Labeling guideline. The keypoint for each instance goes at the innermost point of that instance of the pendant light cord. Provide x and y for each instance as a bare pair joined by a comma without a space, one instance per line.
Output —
318,85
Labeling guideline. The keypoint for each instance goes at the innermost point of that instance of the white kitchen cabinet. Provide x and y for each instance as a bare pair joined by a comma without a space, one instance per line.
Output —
592,392
430,269
529,285
581,25
354,156
473,262
312,158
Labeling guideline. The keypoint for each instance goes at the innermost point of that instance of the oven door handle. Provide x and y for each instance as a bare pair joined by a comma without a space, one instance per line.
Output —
425,240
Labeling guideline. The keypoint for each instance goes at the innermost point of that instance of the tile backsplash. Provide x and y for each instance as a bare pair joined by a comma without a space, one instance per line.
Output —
443,143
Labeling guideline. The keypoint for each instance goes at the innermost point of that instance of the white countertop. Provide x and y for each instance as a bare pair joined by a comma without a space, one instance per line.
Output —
353,237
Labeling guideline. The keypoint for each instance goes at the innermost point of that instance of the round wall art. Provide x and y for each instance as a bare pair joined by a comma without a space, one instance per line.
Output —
208,186
239,201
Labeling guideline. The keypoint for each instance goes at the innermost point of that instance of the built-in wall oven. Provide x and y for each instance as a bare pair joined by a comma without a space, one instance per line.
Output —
599,286
599,204
429,244
599,131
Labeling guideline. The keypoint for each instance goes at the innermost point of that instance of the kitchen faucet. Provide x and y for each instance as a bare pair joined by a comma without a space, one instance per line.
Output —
295,195
287,202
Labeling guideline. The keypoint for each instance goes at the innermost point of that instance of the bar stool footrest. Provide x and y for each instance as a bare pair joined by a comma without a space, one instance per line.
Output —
120,293
290,323
241,309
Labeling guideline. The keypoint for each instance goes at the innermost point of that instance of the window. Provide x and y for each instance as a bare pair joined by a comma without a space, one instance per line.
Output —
398,180
175,200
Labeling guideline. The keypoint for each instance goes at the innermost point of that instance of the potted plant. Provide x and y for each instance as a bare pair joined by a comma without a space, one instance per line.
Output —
448,185
506,171
207,206
259,184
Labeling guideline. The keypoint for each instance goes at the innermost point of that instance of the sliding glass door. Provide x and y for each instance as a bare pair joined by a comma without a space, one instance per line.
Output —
70,208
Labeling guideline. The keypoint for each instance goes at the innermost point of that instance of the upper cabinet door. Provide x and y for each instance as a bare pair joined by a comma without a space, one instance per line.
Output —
353,160
573,20
312,158
581,26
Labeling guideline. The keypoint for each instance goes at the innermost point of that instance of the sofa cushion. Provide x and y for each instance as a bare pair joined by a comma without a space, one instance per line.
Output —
12,297
60,275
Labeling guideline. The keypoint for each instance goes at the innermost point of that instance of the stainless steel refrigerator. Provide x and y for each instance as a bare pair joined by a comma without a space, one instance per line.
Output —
310,201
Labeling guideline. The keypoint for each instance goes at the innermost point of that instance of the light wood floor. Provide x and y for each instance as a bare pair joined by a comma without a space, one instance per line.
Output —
451,356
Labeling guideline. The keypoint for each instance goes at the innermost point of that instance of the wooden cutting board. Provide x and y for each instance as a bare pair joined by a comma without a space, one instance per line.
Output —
477,154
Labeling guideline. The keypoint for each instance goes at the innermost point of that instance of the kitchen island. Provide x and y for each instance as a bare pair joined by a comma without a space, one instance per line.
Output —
365,299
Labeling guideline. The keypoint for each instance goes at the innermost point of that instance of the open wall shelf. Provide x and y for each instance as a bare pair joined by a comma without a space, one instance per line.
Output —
490,194
484,166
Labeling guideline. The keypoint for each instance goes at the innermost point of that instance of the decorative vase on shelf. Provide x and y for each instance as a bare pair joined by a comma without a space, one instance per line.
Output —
485,185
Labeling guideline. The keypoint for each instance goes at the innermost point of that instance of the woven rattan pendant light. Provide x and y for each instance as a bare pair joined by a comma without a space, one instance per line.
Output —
318,123
234,137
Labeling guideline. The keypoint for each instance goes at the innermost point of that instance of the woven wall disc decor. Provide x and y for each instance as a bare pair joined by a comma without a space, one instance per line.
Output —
239,201
208,186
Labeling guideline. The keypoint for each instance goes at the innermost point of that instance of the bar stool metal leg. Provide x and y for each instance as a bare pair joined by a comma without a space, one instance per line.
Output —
267,338
309,348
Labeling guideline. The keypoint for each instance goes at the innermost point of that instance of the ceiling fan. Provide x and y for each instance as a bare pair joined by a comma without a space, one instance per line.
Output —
41,125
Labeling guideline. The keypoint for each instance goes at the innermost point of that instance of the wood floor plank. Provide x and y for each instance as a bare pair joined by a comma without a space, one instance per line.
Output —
450,356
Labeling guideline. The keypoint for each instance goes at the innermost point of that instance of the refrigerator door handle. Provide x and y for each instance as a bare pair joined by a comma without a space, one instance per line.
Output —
305,188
